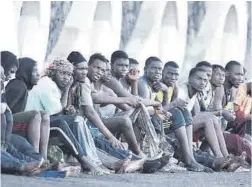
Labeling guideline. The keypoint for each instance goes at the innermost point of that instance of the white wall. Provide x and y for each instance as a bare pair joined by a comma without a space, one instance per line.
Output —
161,30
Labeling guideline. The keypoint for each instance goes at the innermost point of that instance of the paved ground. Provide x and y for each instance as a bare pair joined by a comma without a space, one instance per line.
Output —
181,179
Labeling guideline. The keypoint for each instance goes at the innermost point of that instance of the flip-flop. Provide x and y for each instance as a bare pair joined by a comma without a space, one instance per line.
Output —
152,166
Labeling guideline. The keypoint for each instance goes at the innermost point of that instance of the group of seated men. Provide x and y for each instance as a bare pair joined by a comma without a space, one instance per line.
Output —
105,118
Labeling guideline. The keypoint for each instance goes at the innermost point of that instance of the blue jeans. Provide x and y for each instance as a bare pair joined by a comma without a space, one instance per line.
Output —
19,152
10,164
61,129
6,128
179,118
204,158
20,148
103,144
82,134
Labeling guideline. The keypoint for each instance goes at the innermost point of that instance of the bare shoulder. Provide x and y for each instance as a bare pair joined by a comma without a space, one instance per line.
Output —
107,90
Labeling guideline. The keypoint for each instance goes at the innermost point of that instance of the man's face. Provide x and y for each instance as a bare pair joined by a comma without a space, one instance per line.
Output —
154,71
62,78
80,71
199,80
218,77
2,77
96,70
170,75
11,73
107,76
34,76
208,71
120,67
235,75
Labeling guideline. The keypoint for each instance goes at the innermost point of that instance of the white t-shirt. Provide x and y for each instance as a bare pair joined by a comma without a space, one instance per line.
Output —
184,95
45,96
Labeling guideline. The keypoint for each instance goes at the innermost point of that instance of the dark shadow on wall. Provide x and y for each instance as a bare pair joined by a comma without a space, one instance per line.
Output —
130,12
59,12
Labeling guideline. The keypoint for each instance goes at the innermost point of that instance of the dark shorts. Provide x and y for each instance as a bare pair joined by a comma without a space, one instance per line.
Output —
179,118
236,145
21,122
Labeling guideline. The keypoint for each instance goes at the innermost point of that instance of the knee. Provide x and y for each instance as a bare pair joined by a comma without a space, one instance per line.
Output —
45,117
215,122
214,119
207,122
36,115
126,123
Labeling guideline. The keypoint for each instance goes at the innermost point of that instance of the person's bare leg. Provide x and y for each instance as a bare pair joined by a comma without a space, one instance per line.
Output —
189,133
220,137
93,168
34,130
209,131
44,133
189,160
123,125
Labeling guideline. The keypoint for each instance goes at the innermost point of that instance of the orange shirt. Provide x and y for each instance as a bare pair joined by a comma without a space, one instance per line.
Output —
243,100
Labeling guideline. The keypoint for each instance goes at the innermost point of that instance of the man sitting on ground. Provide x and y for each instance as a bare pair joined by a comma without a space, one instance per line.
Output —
105,97
51,95
170,101
149,85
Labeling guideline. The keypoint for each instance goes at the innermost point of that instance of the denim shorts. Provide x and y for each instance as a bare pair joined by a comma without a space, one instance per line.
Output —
180,117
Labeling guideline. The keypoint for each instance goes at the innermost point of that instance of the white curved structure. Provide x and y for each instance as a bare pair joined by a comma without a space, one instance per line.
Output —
160,30
33,30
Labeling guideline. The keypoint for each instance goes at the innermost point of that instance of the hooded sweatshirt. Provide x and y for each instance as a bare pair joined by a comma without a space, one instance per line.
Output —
17,89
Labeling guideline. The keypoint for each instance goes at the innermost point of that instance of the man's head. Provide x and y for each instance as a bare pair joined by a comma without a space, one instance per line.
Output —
133,64
119,64
170,73
61,72
218,75
96,67
80,66
2,77
198,79
234,73
153,69
28,71
9,63
207,67
108,75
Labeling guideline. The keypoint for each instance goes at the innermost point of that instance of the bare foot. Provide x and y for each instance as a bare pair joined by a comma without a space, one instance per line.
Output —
131,166
96,171
92,168
236,162
60,166
116,165
220,163
106,170
46,164
30,167
195,166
